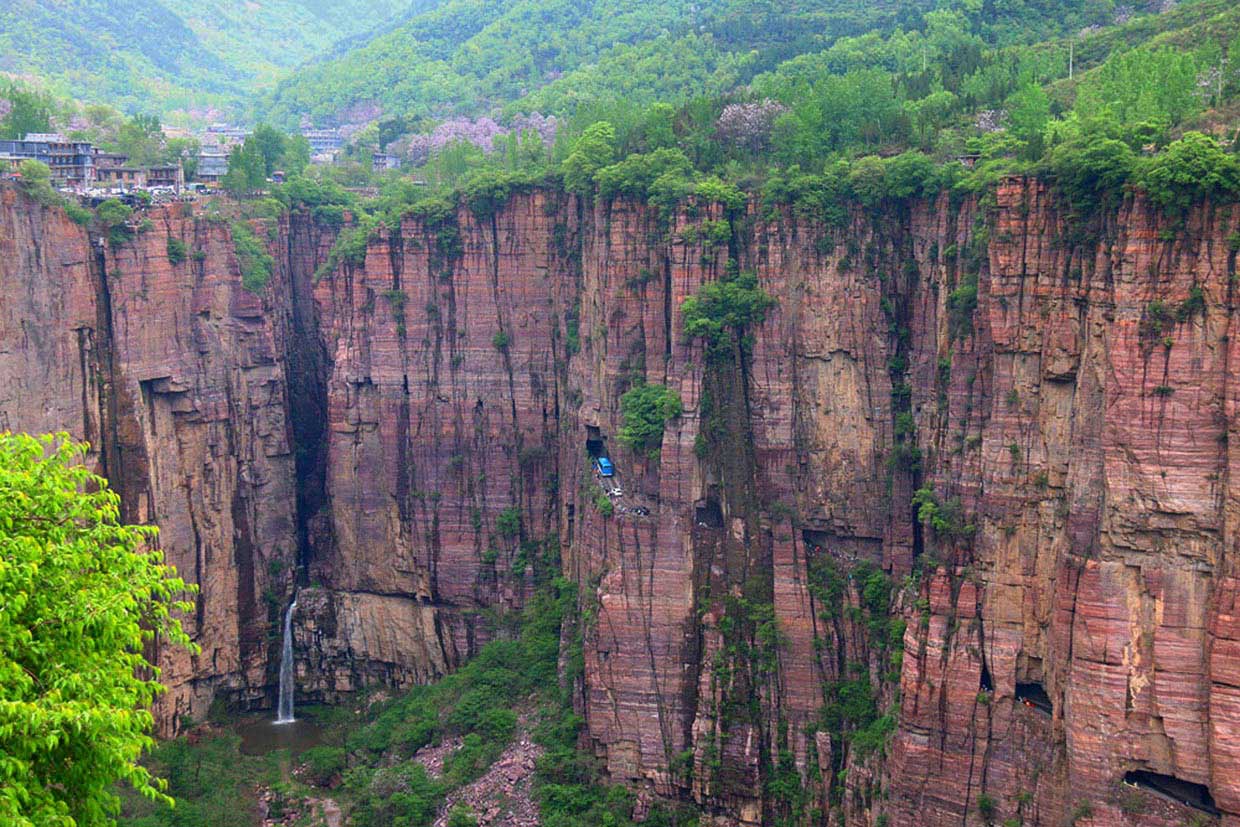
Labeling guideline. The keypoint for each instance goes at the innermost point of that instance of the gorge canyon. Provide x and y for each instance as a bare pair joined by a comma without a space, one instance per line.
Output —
1058,614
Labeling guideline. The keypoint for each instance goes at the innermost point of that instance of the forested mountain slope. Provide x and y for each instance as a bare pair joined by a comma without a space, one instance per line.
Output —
158,55
467,56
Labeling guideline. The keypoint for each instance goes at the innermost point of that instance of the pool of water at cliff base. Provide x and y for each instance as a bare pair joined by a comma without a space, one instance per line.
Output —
261,736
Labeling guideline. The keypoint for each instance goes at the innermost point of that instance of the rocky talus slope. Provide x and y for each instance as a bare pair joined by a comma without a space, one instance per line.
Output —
769,627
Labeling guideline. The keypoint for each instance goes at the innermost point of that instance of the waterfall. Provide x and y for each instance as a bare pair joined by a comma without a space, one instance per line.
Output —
284,712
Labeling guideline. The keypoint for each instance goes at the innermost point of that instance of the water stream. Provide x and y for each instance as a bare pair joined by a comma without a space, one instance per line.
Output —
284,710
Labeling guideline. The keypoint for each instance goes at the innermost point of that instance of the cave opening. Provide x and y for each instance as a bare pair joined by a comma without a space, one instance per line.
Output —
1183,792
709,514
987,683
814,539
596,445
1034,696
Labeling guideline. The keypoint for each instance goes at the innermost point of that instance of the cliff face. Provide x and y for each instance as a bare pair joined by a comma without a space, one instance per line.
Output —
174,374
1087,430
439,444
767,626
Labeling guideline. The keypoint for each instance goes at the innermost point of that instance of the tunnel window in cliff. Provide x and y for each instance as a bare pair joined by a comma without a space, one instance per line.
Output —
596,446
987,683
816,540
1034,696
1183,792
708,514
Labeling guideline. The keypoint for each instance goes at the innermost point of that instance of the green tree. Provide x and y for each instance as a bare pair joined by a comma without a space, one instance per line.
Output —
142,139
103,123
595,149
29,112
462,816
269,143
392,128
113,215
36,180
1191,170
296,155
454,162
246,169
1231,75
253,259
636,175
186,151
1143,84
725,309
932,112
830,112
658,127
1091,170
83,597
1029,110
646,410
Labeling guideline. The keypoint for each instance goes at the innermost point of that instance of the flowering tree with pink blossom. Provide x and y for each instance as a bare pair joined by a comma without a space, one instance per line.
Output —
481,132
748,126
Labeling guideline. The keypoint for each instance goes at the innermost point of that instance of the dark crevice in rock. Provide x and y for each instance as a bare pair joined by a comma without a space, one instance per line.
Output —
122,448
1196,796
307,391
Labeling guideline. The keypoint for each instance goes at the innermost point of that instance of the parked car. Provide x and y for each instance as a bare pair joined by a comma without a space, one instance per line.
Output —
604,467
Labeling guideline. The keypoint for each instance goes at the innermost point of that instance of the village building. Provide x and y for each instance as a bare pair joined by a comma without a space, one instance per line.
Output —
166,175
212,165
125,177
225,135
171,132
171,176
382,161
323,141
72,163
109,160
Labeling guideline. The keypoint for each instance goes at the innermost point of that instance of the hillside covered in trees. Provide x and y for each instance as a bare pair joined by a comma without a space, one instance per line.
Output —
162,55
470,57
771,102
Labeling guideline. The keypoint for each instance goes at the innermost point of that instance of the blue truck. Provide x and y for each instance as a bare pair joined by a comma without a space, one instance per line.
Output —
604,466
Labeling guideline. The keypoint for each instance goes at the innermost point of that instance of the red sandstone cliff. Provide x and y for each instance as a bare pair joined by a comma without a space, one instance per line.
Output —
174,374
378,429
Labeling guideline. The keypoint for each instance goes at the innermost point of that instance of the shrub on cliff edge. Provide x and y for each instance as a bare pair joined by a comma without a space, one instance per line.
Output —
1191,170
36,181
177,251
725,308
646,410
114,215
255,263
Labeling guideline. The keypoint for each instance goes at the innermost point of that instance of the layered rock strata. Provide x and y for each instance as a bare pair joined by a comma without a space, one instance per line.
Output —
409,436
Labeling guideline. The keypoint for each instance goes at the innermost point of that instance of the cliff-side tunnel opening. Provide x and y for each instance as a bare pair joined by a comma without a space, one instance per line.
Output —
596,444
1033,695
814,539
1183,792
708,514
